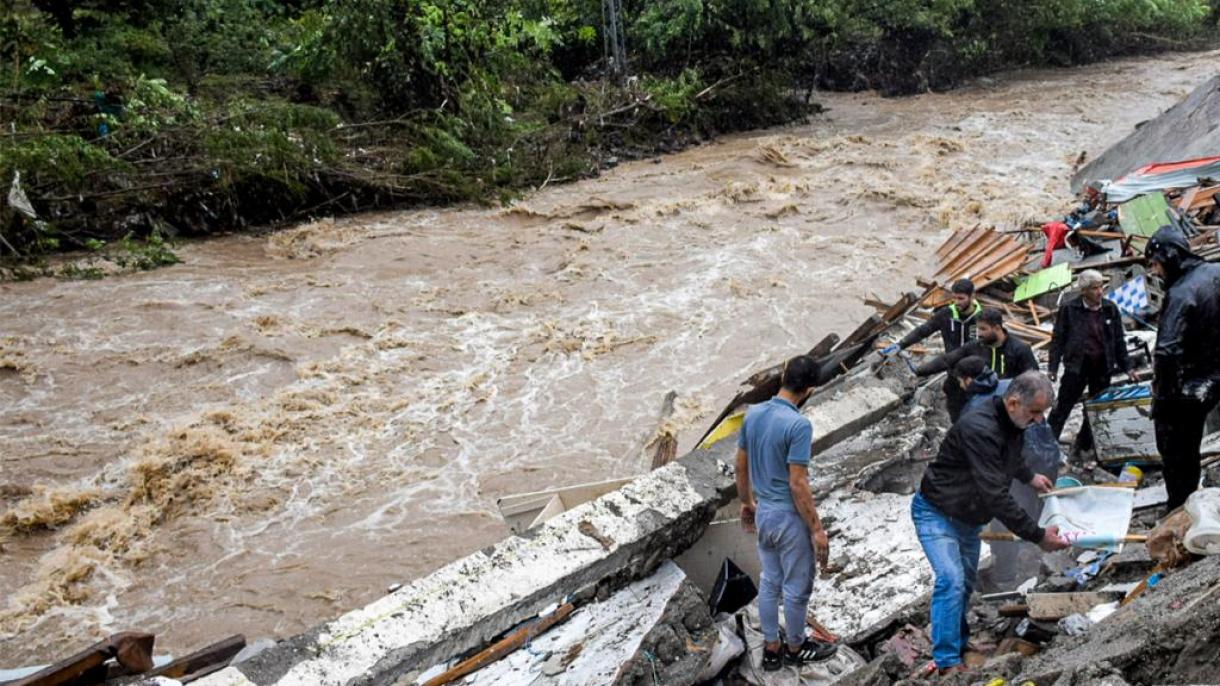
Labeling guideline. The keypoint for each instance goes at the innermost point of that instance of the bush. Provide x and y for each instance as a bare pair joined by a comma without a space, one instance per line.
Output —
133,120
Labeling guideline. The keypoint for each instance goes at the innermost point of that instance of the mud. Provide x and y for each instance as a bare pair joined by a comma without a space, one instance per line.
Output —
277,429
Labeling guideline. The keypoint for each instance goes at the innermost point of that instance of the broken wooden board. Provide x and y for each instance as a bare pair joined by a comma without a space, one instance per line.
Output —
1143,215
213,656
131,649
1053,606
1044,281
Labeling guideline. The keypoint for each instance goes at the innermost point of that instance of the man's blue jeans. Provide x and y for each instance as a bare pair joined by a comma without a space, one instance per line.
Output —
953,549
786,553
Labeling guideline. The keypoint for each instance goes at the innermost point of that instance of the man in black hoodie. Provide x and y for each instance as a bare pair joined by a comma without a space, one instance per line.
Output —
956,323
1186,361
964,488
1089,340
999,350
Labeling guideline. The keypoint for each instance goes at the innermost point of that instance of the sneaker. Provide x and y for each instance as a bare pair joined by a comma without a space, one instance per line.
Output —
811,651
772,660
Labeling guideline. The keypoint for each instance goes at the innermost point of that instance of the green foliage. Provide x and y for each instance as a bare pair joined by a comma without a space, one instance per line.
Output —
128,118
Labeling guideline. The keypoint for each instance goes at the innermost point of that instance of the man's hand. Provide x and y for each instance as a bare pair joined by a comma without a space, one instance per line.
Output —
1051,540
1133,377
821,548
1042,484
748,512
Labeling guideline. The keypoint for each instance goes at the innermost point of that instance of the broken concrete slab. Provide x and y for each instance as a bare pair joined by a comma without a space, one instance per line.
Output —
619,640
468,603
842,411
1050,606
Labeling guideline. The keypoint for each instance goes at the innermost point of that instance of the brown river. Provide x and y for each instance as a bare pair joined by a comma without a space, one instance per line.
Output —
281,427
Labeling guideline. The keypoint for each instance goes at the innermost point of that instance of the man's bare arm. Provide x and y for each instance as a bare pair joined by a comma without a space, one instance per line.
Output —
743,478
802,496
744,492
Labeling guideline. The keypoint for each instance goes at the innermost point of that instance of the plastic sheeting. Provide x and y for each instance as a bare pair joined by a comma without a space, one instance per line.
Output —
1090,516
1161,176
843,663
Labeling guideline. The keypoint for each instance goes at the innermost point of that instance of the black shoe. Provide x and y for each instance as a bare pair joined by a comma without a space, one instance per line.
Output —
811,651
772,660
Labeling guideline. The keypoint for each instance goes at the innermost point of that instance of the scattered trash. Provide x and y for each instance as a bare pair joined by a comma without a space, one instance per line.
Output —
1203,537
1166,541
1075,625
734,589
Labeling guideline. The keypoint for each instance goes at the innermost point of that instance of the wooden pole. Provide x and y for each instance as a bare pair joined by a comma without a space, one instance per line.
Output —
503,647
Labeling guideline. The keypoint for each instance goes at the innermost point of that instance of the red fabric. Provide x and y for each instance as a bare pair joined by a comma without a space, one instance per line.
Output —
1056,237
1164,167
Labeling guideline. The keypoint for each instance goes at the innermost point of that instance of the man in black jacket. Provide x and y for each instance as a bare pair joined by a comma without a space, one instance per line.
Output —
956,323
963,489
1186,361
1089,340
1002,352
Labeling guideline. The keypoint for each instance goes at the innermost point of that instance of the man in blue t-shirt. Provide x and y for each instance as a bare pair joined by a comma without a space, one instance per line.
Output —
773,451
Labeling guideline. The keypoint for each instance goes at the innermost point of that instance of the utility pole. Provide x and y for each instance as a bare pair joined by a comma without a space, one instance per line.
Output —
612,32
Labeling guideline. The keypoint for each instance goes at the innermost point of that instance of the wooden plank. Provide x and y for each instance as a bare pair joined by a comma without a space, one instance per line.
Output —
824,346
1033,312
862,332
976,245
1109,235
968,243
503,647
1002,270
132,650
1198,198
952,242
968,261
961,245
899,308
218,653
981,268
1015,252
1049,606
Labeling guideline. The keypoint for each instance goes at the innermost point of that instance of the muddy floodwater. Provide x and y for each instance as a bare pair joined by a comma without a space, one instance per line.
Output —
281,427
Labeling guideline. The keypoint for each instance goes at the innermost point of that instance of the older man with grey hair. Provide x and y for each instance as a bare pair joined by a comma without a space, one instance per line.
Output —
963,489
1089,341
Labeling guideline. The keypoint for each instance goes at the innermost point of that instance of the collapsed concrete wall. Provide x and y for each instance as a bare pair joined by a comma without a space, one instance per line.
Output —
1188,130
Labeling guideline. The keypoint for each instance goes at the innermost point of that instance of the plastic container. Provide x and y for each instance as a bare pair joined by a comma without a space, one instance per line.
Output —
1131,474
1203,537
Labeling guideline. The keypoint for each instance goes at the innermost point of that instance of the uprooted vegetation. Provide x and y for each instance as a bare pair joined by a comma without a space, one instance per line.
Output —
130,123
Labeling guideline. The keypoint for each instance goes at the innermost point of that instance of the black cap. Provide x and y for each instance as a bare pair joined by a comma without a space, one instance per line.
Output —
963,286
